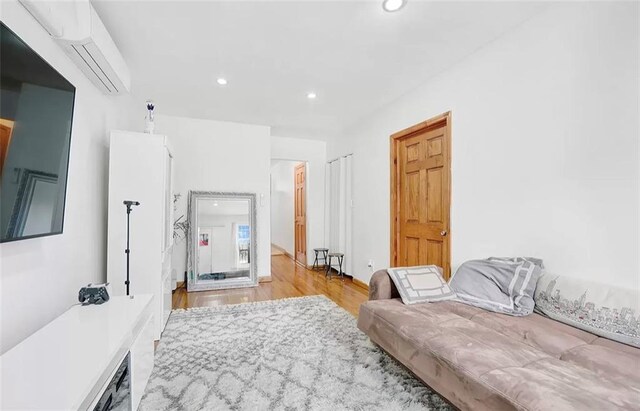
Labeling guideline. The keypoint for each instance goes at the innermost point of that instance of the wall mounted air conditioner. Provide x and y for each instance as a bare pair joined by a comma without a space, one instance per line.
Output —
81,33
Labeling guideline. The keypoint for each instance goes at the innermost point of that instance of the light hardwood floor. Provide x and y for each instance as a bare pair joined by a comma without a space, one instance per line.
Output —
288,280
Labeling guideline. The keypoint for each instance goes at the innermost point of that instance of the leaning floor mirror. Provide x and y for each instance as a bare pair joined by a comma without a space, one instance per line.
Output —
221,246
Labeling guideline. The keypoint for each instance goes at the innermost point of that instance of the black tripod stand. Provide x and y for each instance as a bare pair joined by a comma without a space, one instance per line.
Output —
129,204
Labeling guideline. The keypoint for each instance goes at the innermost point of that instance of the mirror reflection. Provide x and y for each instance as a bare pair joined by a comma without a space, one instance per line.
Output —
222,241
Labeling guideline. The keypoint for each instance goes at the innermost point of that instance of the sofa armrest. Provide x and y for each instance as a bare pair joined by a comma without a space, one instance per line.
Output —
381,287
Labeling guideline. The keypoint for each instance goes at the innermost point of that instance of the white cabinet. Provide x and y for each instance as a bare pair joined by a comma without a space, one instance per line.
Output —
142,351
166,290
68,364
140,169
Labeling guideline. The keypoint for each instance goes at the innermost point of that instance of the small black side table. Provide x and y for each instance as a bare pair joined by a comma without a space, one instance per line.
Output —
339,257
321,255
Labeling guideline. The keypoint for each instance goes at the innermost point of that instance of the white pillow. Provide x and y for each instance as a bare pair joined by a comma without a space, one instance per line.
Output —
421,284
601,309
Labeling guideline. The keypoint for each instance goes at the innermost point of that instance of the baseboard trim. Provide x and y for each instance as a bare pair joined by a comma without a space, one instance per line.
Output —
265,279
360,284
299,263
283,251
355,281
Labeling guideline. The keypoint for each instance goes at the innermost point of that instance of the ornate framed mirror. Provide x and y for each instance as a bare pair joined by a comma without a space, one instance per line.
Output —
221,240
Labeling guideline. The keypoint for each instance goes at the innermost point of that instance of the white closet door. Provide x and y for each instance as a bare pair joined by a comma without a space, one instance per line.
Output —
334,206
348,215
167,212
340,210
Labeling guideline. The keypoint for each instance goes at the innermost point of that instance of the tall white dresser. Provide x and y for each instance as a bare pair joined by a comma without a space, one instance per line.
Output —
140,169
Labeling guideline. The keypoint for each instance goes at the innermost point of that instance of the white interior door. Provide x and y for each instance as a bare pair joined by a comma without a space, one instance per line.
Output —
40,214
205,254
222,249
340,210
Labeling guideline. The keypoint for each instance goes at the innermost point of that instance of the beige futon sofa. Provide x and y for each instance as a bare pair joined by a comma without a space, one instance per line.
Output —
480,360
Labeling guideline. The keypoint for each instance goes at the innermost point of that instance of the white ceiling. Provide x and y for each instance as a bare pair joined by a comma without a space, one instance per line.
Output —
223,207
356,57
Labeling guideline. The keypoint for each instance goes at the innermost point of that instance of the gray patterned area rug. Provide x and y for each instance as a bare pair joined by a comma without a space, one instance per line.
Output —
296,353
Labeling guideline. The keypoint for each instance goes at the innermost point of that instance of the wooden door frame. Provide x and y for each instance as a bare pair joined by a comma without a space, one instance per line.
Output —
302,164
4,146
443,120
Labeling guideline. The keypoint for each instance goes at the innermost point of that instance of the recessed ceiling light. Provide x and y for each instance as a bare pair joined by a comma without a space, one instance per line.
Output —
312,95
222,81
393,5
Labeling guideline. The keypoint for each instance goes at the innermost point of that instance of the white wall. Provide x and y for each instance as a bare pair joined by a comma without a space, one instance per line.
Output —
545,147
314,153
282,204
220,156
40,278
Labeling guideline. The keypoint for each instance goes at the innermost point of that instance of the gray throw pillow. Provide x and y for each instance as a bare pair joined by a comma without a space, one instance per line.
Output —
503,285
421,284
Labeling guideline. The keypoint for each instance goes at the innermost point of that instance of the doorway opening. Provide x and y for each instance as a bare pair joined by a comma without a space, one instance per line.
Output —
289,209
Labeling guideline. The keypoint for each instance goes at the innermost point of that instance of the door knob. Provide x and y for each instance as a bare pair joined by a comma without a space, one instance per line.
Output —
443,233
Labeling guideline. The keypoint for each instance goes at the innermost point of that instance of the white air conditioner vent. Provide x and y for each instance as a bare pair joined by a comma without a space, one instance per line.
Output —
81,33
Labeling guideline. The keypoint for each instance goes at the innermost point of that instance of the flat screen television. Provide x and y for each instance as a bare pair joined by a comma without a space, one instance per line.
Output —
36,112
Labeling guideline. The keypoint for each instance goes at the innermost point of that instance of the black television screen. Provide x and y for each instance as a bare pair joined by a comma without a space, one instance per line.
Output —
36,111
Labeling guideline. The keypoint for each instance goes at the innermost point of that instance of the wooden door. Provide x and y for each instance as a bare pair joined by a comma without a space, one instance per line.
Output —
420,194
300,210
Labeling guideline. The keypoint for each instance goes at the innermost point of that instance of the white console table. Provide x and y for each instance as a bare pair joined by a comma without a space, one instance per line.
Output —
67,364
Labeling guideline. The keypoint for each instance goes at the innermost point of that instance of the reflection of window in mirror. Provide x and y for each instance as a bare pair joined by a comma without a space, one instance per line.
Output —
6,127
243,242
